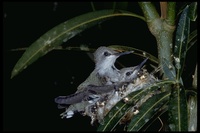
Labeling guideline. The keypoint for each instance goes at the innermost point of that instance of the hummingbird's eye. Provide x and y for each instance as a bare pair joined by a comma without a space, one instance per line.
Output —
129,73
106,53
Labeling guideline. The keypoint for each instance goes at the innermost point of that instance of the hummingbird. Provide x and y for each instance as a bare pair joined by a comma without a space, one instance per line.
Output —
92,93
105,72
84,101
81,101
128,74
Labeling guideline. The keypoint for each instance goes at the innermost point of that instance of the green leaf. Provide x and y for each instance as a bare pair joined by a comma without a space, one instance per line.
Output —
118,112
147,111
136,52
178,114
192,108
194,82
181,42
193,11
182,7
168,69
63,33
192,39
157,117
193,35
113,117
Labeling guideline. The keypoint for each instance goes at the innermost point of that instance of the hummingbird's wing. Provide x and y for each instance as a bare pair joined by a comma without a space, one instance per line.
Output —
82,101
101,89
71,99
92,79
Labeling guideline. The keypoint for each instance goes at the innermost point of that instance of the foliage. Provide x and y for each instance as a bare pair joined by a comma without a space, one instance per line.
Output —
172,50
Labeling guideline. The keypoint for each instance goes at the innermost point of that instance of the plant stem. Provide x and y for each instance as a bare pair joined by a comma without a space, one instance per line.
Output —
149,11
162,31
163,10
171,13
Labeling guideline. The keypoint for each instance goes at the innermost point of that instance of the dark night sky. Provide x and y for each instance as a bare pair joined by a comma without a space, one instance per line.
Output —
28,98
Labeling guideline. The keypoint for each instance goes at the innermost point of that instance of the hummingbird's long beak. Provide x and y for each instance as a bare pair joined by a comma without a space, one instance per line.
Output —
137,68
141,64
123,53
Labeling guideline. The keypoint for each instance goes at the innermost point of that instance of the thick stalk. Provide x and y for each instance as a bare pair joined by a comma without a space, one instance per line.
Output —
171,13
162,31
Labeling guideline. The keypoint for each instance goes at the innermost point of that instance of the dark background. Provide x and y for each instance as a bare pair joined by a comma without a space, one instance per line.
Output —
28,98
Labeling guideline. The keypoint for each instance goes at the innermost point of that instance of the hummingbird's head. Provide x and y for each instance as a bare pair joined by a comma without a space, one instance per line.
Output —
105,57
130,73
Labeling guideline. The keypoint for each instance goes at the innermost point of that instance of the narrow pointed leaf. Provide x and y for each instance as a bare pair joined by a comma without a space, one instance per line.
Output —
147,111
168,69
112,119
194,83
192,39
157,116
193,11
136,52
193,34
178,114
63,33
192,108
181,42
